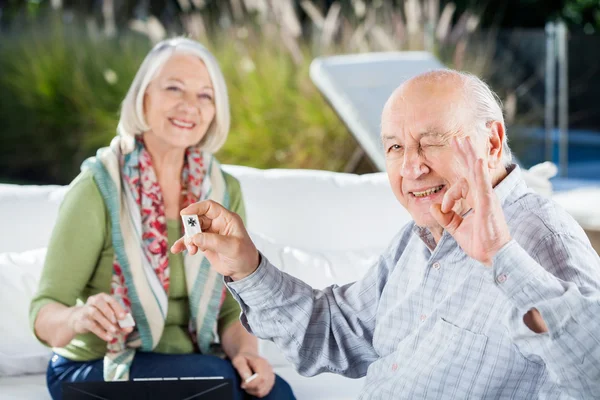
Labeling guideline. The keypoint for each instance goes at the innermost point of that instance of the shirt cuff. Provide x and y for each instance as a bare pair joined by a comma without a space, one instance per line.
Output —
522,279
259,287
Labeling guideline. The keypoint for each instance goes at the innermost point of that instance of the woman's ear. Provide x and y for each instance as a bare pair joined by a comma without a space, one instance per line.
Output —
495,142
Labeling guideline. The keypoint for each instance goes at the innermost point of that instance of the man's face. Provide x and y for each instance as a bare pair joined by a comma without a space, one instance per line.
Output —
418,124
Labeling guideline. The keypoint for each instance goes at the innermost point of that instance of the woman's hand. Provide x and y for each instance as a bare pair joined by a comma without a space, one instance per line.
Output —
248,364
99,315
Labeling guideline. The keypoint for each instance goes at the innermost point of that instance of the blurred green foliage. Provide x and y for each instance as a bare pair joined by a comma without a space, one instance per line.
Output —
61,86
65,66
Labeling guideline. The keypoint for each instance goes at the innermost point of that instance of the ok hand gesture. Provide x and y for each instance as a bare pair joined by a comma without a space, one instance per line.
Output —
483,232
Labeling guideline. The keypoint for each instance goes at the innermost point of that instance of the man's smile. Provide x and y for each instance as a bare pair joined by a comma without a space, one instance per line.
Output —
427,192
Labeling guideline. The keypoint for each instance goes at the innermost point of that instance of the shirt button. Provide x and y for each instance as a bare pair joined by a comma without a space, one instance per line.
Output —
501,278
436,265
423,317
394,367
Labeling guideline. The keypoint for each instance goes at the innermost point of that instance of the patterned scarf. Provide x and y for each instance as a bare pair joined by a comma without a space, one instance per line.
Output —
140,280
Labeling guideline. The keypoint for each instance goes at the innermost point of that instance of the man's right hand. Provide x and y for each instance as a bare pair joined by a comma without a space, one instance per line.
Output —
224,240
99,316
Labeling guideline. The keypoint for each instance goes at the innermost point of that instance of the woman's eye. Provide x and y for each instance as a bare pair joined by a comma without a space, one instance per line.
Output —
173,89
205,96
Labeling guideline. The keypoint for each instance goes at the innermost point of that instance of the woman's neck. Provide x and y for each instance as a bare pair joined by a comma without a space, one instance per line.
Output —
168,164
167,161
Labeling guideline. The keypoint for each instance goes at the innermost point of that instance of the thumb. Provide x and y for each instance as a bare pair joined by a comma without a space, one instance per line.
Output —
214,242
450,221
256,363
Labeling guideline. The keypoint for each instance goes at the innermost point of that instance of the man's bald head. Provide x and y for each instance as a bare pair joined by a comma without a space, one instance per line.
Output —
463,101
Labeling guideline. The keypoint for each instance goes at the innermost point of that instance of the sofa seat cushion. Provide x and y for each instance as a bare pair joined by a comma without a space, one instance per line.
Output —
20,351
25,387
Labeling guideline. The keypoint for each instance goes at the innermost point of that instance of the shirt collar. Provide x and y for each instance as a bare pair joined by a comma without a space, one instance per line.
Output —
512,187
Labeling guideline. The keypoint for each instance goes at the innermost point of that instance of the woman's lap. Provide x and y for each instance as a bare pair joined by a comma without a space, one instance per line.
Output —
154,365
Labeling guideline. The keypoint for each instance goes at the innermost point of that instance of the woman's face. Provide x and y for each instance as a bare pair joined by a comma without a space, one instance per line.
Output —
179,103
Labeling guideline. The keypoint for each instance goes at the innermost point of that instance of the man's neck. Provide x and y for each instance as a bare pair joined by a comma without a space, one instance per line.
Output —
498,175
437,233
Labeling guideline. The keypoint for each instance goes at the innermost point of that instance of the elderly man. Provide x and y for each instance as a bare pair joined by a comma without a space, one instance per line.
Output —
492,291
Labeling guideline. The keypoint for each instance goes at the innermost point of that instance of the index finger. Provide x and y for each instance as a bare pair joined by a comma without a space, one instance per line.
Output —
178,246
462,146
114,304
479,171
243,368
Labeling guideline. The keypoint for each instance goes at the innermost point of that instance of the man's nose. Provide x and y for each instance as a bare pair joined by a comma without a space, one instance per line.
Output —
412,164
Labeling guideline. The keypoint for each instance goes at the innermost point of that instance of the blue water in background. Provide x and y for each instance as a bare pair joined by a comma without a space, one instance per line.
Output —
583,166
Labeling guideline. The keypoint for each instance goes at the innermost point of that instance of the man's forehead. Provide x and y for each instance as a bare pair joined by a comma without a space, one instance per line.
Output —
433,133
425,115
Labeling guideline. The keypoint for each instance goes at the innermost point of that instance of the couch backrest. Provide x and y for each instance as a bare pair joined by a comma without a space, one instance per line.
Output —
28,214
314,210
321,210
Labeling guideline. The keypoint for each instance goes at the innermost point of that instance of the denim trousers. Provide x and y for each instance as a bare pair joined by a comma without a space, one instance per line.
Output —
155,365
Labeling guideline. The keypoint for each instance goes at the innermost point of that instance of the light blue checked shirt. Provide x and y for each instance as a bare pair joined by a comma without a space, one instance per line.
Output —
428,322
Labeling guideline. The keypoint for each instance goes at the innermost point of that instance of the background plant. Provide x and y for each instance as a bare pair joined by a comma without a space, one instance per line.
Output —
64,68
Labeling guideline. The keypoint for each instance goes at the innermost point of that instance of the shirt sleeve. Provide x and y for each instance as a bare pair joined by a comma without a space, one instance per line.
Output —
328,330
561,279
76,242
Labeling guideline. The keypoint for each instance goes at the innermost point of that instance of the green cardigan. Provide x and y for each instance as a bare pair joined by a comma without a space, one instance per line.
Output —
79,264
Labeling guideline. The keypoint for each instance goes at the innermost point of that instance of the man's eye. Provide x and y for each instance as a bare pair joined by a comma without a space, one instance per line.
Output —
395,147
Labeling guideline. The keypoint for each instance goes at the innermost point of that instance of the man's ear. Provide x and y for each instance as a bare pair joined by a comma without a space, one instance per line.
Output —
495,142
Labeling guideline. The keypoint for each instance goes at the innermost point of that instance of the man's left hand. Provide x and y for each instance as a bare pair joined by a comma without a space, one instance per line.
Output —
483,232
248,364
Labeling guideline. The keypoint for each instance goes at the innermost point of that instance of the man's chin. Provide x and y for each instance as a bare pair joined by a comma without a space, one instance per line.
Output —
427,222
424,219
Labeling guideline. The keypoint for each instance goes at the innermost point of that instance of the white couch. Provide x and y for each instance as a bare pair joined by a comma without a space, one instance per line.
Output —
322,227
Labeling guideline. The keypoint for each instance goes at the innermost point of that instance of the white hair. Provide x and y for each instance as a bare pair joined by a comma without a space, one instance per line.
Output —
133,122
487,107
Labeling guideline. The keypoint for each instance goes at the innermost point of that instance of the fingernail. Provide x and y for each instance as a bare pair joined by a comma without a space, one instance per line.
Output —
113,329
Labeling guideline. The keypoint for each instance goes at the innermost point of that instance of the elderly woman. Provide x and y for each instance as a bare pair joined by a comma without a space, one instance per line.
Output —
108,256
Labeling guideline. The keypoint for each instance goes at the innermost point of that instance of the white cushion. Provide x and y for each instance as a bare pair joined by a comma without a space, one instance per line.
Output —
583,205
26,387
321,210
28,214
538,177
318,268
20,352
